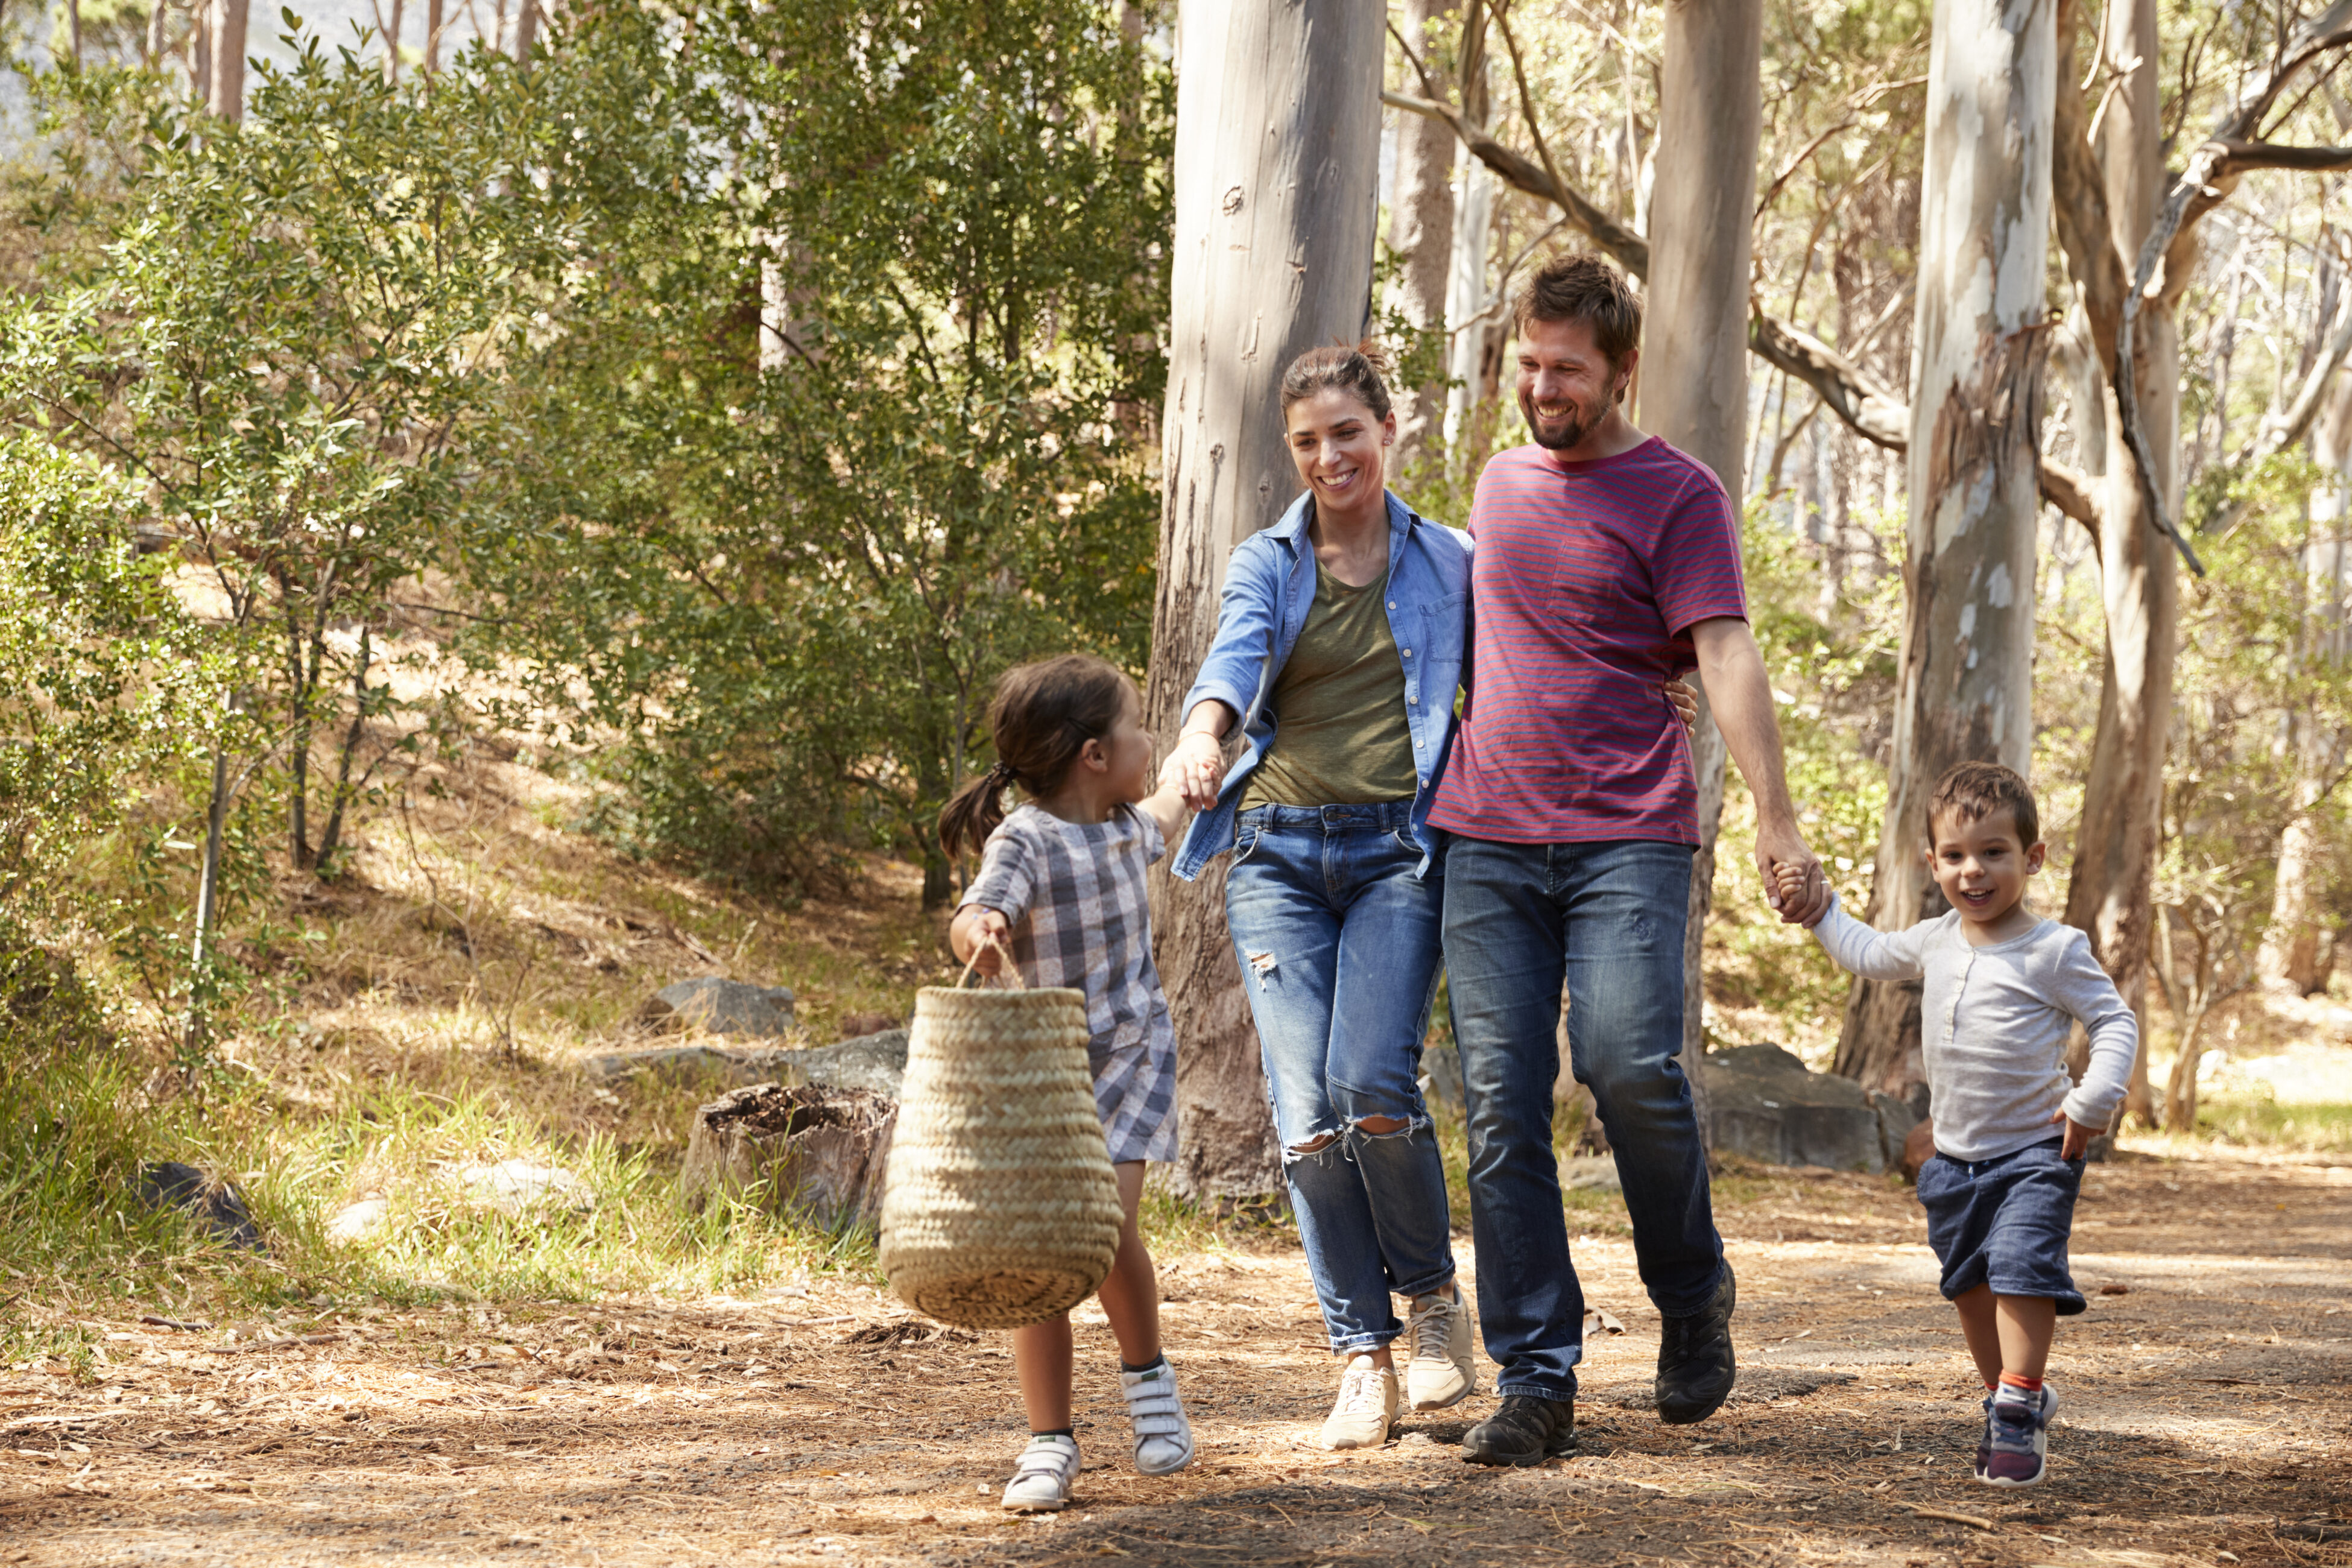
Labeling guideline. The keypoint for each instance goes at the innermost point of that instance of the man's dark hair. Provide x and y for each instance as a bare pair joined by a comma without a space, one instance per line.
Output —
1581,287
1971,791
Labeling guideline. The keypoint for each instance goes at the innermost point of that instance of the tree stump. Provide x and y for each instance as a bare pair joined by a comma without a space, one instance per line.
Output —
819,1151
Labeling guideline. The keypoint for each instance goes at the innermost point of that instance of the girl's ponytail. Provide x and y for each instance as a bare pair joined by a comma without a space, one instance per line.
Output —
1044,715
975,811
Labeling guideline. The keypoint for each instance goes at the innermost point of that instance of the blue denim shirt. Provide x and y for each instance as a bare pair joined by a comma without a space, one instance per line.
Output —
1269,588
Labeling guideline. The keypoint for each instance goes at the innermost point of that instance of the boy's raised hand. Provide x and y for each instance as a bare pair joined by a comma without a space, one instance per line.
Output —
2078,1137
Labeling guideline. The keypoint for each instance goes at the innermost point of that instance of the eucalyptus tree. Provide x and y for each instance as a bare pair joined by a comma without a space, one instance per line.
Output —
1276,184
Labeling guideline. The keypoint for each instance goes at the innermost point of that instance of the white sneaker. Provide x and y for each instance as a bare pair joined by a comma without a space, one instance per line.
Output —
1368,1402
1163,1438
1442,1371
1040,1483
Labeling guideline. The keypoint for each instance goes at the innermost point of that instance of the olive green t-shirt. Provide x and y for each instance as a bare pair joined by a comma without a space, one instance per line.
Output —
1340,736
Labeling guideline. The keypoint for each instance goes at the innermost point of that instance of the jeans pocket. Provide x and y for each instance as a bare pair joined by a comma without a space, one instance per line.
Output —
1246,841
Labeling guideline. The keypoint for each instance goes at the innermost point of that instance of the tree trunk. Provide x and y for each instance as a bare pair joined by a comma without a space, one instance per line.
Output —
1276,186
224,40
432,62
1420,232
2289,960
2116,846
1473,228
526,31
1980,339
1695,358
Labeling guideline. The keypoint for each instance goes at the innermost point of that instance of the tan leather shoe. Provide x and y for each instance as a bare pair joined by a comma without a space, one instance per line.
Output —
1442,1371
1368,1402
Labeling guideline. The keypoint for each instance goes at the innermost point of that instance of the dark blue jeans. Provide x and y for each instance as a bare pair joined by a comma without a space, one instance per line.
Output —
1608,919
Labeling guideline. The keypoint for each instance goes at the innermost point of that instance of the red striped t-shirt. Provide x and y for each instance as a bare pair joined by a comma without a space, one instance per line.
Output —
1585,582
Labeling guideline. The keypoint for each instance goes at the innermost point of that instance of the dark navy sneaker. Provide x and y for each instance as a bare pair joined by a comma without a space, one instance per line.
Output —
1696,1365
2016,1451
1526,1430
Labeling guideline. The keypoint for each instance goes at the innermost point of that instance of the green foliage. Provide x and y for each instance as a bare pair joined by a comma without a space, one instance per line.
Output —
841,419
99,674
290,345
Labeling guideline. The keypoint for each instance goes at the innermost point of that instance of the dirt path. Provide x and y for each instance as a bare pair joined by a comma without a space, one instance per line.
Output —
2206,1416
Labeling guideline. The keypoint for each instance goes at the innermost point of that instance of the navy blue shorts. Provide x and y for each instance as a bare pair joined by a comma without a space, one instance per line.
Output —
2004,1223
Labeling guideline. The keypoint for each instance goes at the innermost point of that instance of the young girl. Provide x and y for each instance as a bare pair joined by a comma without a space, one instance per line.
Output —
1061,889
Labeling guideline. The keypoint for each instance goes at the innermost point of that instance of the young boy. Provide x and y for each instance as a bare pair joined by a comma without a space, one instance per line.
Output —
2003,990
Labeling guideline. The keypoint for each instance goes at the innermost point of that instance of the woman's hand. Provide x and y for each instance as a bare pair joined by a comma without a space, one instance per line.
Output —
980,931
1195,770
1686,701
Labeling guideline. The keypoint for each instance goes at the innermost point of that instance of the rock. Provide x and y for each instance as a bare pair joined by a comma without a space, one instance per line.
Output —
857,1025
357,1221
875,1062
1441,1076
818,1151
513,1187
1590,1172
1763,1102
673,1062
722,1007
220,1207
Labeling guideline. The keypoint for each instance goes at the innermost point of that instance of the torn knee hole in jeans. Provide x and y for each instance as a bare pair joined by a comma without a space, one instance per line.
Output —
1261,965
1315,1145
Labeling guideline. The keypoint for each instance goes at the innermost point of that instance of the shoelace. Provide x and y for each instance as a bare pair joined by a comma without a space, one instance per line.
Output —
1359,1390
1433,1333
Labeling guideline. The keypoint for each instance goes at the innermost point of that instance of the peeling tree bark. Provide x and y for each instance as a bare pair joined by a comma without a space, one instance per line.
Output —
1420,232
1276,186
2116,846
1966,684
1694,332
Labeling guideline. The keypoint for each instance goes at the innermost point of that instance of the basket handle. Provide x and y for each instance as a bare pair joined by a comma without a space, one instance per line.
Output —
1007,971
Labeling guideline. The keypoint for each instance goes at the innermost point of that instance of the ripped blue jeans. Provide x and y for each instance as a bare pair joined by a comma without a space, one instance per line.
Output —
1339,946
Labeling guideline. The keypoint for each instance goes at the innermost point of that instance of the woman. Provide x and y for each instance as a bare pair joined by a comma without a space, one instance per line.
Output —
1341,626
1339,645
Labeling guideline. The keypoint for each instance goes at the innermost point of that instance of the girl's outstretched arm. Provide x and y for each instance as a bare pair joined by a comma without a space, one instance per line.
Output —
1166,807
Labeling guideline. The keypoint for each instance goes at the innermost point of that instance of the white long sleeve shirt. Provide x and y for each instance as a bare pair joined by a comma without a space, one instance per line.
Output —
1993,1026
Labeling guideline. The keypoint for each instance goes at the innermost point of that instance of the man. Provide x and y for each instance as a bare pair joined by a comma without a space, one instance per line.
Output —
1606,562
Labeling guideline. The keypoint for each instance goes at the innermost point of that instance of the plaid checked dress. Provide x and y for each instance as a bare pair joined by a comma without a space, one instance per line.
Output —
1073,893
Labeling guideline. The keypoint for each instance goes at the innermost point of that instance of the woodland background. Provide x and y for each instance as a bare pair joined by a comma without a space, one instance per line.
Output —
618,449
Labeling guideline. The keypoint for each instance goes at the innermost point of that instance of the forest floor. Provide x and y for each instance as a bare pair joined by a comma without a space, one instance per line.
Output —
2206,1418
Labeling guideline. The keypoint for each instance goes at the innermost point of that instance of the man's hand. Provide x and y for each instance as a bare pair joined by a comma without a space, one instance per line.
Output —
1794,882
1685,703
2078,1137
1195,769
982,931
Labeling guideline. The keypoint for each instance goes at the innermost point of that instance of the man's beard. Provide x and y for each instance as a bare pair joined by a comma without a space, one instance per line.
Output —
1564,435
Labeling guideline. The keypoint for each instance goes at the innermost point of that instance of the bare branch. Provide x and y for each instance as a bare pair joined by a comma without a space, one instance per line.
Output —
2239,157
1620,244
1852,394
2072,492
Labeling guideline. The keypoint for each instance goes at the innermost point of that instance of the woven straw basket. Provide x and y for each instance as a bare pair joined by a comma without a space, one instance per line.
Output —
999,1208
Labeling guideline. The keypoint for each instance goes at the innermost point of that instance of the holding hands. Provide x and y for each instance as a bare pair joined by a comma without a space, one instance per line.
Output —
1195,769
1794,882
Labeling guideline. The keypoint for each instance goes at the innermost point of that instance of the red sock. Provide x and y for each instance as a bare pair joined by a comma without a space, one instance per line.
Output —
2014,1380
